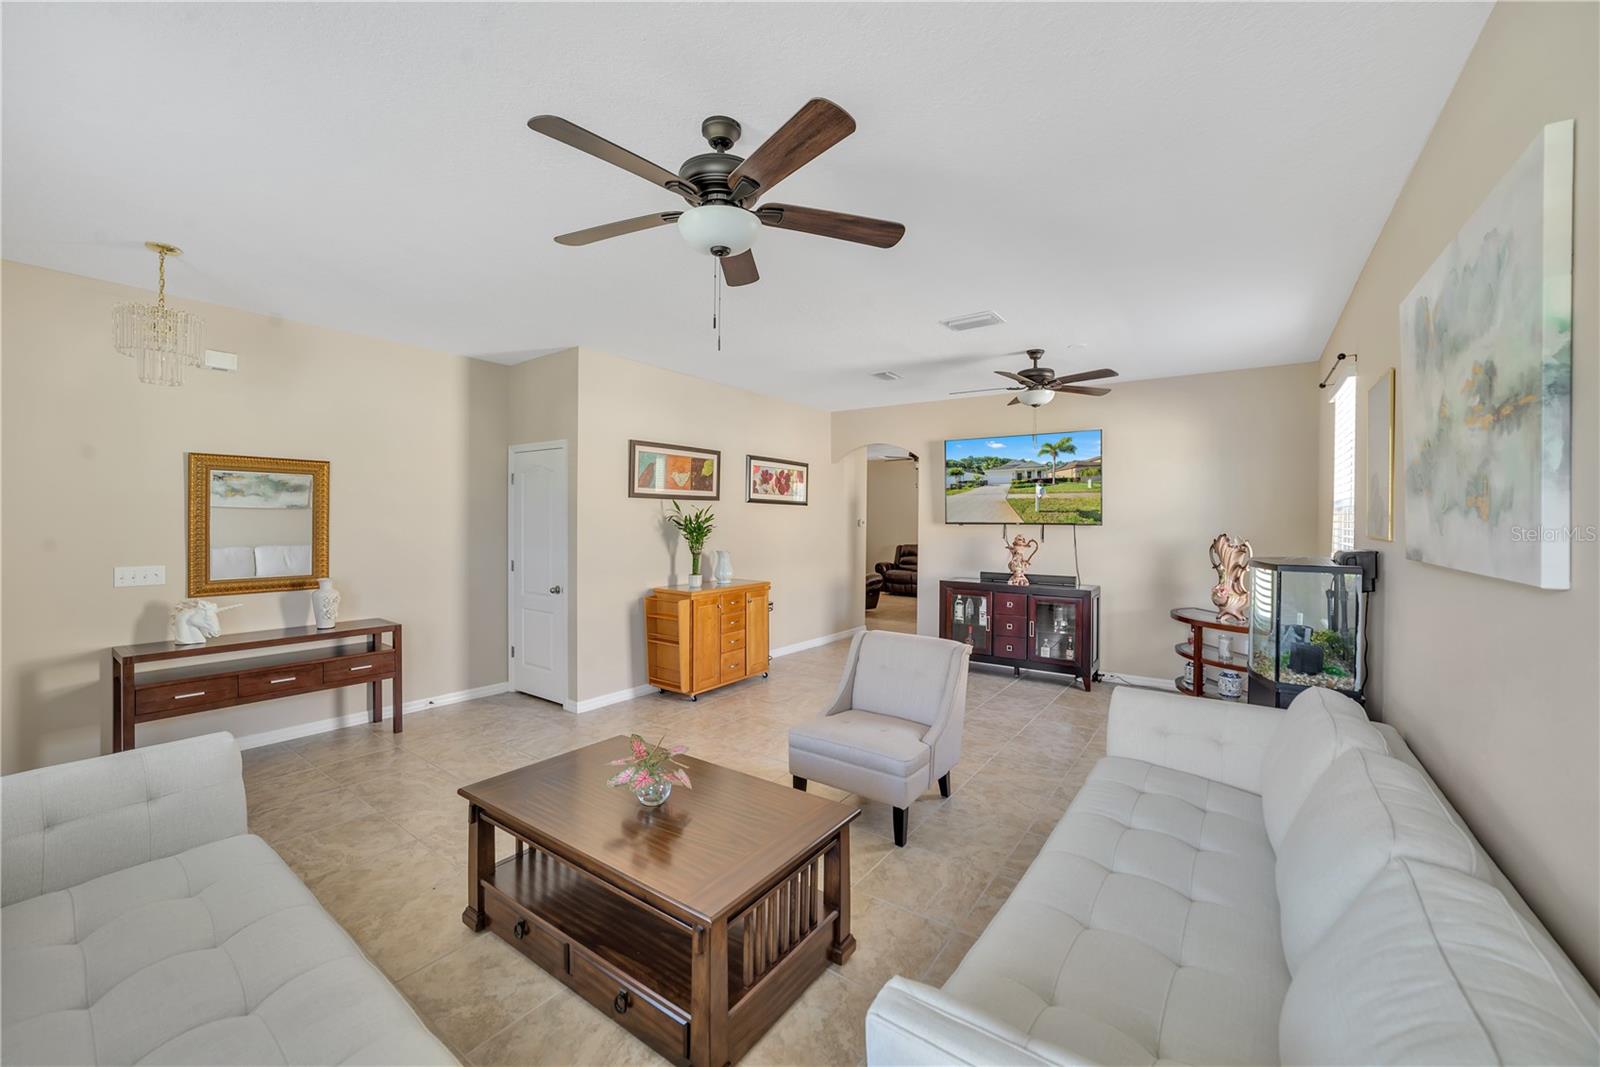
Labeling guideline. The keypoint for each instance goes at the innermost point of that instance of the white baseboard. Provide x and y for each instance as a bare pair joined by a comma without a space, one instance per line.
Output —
816,642
1139,680
355,718
607,699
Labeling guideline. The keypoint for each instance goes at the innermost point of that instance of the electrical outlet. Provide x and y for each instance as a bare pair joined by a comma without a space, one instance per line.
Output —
139,576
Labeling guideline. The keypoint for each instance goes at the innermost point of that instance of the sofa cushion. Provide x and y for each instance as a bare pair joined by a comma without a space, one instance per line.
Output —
1364,811
1318,726
217,954
1146,928
904,675
1433,966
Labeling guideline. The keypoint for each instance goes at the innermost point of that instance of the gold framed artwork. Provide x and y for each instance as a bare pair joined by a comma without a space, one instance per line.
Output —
674,472
775,481
1380,458
257,524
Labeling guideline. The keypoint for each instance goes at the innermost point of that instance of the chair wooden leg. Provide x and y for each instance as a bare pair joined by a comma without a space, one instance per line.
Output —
900,827
944,784
799,782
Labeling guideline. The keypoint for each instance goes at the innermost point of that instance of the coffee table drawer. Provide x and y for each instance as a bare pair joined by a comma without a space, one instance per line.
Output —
280,681
628,1005
358,668
526,934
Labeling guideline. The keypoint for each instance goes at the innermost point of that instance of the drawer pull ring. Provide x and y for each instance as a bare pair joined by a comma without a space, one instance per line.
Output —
190,696
520,930
363,667
280,681
622,1002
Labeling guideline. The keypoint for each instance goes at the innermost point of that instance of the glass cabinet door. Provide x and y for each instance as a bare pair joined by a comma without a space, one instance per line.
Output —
1053,629
970,620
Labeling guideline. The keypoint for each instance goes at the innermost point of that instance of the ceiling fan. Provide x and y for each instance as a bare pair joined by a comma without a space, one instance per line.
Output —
1037,386
722,188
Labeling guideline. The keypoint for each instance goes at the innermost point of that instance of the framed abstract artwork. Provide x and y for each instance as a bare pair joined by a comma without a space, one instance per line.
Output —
775,481
674,472
1486,382
1380,458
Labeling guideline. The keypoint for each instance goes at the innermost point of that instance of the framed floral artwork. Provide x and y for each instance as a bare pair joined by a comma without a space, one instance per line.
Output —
673,472
775,481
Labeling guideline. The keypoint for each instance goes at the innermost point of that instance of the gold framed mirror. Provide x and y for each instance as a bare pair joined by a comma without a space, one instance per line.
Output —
256,524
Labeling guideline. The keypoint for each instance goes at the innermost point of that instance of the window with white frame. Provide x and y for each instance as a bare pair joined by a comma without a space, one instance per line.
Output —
1344,466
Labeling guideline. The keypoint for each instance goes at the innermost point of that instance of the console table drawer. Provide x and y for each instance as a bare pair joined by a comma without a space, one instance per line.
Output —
1010,625
358,668
629,1006
280,682
179,697
1011,647
1011,603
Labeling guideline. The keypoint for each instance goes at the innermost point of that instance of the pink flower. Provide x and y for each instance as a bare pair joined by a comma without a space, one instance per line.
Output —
642,779
620,778
639,749
681,776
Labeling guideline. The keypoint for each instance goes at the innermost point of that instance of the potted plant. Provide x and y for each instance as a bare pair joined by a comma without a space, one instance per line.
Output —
650,770
695,526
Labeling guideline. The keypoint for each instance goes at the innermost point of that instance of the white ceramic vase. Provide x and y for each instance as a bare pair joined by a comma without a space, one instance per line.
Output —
723,571
325,604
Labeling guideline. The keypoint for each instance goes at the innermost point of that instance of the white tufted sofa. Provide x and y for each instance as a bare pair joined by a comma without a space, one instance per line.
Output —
1241,885
142,923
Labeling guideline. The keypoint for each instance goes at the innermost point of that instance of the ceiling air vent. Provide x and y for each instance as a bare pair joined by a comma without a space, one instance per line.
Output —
887,376
976,321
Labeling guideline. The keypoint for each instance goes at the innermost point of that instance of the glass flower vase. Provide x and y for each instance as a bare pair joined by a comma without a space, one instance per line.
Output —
653,795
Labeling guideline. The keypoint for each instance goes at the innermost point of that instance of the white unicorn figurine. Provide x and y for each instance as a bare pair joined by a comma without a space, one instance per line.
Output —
195,620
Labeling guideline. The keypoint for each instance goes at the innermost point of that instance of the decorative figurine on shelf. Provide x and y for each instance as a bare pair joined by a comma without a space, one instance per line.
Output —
1229,558
195,620
1018,564
325,604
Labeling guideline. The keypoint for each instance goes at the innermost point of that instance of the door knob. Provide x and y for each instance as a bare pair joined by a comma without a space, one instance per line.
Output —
555,589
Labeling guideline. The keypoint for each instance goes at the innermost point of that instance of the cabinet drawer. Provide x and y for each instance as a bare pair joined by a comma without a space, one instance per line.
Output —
1011,603
1011,647
527,935
731,601
1010,625
649,1019
178,697
730,642
280,681
358,668
733,664
733,620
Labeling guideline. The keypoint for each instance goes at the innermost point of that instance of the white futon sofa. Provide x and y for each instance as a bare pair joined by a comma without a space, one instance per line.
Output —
143,923
1241,885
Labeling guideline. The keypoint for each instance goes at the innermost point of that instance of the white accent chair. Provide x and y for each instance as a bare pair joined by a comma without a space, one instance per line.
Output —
894,728
1239,885
144,923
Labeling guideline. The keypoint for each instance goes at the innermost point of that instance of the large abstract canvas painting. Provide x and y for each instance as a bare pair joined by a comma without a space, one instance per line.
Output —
1486,377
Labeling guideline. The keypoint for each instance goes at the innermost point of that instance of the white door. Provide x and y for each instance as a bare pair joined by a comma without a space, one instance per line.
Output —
538,543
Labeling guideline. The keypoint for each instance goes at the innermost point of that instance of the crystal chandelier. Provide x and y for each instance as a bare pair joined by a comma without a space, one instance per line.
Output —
160,339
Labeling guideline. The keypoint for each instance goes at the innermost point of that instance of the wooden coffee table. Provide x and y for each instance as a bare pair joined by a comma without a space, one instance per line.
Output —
693,925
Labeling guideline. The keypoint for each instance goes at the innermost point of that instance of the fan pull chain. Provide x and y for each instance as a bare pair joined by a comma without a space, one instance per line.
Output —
716,300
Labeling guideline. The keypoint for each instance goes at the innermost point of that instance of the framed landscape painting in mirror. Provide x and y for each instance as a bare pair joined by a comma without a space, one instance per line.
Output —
256,524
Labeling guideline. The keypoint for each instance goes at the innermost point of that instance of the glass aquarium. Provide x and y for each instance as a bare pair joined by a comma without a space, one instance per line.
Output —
1306,628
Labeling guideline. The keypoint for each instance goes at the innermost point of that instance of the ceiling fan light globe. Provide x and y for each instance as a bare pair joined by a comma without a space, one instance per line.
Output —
1036,398
719,226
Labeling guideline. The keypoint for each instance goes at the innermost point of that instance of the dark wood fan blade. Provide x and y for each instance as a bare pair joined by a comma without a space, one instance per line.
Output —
740,269
995,389
811,131
571,134
617,229
879,233
1084,376
1025,383
1082,390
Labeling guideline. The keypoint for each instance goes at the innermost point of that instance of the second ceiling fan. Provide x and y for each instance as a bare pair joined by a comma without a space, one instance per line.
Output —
1037,386
721,188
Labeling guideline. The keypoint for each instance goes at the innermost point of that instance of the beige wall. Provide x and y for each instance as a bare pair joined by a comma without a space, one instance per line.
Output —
94,478
1495,684
625,547
891,506
1173,480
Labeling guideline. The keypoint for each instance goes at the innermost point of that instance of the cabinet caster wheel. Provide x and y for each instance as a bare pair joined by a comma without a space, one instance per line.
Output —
694,699
766,674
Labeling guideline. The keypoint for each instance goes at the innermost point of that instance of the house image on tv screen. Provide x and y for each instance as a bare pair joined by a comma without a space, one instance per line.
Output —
1051,479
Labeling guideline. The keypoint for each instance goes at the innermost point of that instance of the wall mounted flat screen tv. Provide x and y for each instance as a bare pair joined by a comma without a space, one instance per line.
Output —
1049,478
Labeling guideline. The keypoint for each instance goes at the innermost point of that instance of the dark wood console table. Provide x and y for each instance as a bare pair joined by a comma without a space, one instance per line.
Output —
1039,627
144,696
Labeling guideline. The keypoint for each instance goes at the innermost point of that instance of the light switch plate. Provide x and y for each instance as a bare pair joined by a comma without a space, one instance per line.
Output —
151,575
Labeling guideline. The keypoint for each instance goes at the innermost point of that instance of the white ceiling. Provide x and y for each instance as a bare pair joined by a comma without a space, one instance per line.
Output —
1180,188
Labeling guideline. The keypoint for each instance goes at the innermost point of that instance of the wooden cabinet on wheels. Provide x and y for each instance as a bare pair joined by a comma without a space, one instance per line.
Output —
697,640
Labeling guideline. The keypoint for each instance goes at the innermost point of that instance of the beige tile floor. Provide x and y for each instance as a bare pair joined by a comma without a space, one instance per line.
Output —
372,822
